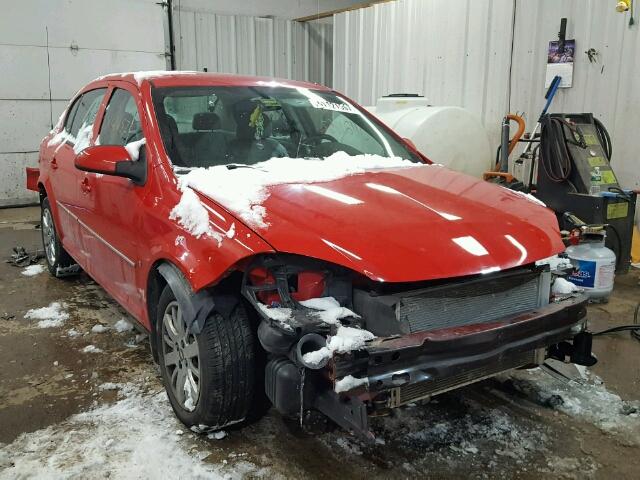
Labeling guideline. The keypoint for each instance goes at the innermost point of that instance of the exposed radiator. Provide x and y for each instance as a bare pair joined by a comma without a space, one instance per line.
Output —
473,302
417,391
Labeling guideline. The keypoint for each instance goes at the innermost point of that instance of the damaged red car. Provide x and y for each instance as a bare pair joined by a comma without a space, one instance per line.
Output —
281,245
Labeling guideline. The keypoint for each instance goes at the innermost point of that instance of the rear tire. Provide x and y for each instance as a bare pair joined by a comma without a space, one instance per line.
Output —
58,260
218,387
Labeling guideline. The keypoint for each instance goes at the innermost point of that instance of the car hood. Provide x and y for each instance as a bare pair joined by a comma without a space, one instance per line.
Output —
410,224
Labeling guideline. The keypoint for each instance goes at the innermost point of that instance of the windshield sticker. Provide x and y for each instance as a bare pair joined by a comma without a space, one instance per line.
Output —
327,105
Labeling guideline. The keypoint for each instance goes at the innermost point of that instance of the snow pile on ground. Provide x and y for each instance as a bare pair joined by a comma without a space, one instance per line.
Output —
562,286
330,310
590,401
243,190
32,270
133,148
123,325
349,383
99,328
52,316
133,438
345,340
219,435
91,349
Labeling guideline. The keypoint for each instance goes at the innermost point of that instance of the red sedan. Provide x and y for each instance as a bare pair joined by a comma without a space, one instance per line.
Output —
280,244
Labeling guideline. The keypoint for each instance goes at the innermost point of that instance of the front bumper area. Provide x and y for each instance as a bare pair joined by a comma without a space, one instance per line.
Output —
406,368
428,356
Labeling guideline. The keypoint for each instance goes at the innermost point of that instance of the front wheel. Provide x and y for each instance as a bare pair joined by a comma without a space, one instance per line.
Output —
59,262
210,378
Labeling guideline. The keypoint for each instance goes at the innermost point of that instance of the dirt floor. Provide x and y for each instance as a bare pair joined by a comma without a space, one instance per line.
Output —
83,399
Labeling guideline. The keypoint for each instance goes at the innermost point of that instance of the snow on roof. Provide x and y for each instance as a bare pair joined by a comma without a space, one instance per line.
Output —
143,75
242,190
223,78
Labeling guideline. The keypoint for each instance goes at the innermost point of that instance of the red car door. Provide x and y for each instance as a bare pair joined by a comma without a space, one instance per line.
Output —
66,180
114,206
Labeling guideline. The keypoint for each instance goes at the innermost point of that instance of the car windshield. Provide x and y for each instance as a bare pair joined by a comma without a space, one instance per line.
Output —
209,126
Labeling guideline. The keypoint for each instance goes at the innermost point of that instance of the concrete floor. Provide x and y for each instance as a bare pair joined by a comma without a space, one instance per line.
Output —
522,425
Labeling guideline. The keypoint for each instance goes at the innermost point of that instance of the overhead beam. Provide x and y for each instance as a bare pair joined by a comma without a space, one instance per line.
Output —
331,13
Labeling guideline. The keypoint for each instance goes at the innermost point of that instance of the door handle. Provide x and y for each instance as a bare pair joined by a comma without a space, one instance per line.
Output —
85,186
54,163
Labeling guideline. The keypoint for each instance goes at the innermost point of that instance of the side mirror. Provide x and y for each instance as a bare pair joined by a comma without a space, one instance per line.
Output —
112,160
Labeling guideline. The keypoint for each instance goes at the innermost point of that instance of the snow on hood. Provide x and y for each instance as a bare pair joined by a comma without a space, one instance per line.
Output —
387,218
242,190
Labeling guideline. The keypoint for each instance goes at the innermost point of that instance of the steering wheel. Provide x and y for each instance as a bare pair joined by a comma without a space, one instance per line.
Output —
313,140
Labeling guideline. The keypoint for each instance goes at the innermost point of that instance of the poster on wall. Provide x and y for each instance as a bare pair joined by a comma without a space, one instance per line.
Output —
560,62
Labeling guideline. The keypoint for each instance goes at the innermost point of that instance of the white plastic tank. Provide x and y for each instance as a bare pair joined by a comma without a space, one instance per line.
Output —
451,136
595,268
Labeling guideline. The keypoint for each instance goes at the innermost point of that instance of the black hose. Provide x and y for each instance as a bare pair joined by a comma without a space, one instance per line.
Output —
617,251
633,328
555,157
605,139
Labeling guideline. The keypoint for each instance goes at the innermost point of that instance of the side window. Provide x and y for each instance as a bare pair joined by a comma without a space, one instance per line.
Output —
72,113
84,111
121,121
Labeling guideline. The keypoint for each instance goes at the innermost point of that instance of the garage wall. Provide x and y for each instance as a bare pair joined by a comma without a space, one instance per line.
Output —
254,45
610,88
460,54
51,48
289,9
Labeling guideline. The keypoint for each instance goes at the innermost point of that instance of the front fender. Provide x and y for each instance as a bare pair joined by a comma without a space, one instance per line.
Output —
204,260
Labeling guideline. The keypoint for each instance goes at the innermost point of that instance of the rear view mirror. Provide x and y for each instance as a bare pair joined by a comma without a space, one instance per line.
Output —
112,160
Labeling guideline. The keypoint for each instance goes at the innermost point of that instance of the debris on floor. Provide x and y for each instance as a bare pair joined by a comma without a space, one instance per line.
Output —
21,258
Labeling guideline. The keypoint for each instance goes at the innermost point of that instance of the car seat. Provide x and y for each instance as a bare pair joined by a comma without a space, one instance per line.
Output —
245,147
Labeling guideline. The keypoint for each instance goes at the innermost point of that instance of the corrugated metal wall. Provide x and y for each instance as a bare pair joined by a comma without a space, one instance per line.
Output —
459,53
254,46
49,49
609,88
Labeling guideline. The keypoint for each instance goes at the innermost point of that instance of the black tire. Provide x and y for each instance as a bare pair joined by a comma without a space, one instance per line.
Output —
57,258
227,365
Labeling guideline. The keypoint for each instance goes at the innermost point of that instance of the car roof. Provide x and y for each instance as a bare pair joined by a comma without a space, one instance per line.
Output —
175,78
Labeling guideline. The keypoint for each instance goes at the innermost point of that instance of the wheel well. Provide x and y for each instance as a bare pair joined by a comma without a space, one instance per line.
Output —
42,191
156,284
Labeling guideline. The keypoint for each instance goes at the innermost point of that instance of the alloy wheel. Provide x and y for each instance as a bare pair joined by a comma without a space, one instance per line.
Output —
49,236
181,357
